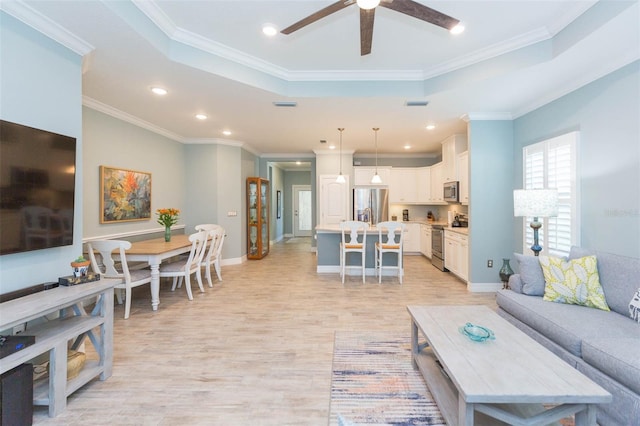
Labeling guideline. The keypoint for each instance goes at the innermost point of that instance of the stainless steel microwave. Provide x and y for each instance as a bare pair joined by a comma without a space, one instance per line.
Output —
451,192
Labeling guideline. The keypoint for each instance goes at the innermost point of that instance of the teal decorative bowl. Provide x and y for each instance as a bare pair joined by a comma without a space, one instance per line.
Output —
477,333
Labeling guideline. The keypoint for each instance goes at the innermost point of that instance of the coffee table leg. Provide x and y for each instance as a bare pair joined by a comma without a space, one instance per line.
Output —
586,417
465,412
414,342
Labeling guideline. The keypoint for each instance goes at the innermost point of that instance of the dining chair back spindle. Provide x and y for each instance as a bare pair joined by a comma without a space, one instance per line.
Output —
183,268
214,251
110,267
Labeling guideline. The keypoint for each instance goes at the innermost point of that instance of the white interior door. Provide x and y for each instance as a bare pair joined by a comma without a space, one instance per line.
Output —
301,210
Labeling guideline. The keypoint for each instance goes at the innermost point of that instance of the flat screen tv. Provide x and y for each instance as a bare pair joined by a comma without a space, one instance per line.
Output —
37,185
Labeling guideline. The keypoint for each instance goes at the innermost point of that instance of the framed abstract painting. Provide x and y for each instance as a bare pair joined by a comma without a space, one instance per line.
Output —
125,195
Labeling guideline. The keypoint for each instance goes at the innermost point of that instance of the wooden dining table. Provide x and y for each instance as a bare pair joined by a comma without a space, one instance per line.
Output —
153,252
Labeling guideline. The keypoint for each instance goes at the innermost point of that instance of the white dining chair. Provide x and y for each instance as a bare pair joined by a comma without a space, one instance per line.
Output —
354,240
390,237
182,269
214,251
108,268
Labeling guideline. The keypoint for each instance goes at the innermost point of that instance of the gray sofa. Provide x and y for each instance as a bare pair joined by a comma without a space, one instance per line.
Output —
603,345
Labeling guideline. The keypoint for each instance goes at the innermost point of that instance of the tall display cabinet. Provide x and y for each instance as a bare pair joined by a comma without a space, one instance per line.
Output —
257,217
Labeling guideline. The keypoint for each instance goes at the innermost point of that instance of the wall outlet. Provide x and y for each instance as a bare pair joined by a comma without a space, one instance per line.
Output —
19,329
489,263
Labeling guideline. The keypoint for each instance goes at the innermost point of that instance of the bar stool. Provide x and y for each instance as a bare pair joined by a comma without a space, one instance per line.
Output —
390,236
354,240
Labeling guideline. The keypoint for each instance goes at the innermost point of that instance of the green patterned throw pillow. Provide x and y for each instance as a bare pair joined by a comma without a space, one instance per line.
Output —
575,281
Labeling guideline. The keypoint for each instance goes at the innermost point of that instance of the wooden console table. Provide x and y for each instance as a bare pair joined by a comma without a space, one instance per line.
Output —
53,336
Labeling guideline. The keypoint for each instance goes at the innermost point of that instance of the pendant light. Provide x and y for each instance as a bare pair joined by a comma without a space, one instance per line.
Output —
376,178
340,178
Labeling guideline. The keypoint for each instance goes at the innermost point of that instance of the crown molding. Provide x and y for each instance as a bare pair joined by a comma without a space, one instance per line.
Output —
487,116
121,115
281,156
46,26
179,35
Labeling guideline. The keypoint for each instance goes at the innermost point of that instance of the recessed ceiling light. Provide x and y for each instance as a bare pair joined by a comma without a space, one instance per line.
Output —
159,91
201,116
332,147
226,132
269,30
298,163
407,146
457,29
431,126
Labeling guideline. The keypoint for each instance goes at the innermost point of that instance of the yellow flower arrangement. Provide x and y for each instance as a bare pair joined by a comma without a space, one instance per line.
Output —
167,217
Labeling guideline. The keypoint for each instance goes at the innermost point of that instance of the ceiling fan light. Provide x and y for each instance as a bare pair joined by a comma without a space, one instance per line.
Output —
367,4
459,28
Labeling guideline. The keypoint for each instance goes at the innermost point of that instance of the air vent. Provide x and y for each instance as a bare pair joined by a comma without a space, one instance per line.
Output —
285,104
416,103
323,141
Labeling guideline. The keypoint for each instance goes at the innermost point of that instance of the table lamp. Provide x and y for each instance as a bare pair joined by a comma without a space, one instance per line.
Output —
537,203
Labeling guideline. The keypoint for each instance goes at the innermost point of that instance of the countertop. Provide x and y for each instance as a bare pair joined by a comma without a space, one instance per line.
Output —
336,228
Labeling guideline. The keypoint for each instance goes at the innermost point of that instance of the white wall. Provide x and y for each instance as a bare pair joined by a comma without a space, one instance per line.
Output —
41,87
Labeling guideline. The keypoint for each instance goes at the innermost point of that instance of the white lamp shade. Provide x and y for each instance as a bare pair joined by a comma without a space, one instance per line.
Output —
367,4
376,178
535,202
341,179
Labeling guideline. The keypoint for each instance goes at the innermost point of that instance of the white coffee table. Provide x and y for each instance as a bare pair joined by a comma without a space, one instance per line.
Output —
508,378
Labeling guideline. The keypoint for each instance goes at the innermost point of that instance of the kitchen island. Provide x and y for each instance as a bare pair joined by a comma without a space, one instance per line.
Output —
328,252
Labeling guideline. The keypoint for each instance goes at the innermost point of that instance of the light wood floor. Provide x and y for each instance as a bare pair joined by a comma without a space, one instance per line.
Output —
256,349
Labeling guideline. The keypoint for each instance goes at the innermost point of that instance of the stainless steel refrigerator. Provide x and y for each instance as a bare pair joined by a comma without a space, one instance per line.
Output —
371,204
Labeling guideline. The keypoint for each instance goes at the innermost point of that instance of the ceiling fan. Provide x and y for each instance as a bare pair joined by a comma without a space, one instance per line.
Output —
367,14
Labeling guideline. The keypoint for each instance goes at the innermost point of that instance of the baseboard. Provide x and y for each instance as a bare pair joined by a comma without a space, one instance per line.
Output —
483,287
233,261
288,235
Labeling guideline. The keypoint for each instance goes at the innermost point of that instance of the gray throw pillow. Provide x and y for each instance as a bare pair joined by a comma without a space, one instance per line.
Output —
530,274
634,306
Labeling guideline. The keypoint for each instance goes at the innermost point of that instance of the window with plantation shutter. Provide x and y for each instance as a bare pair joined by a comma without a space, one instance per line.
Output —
551,164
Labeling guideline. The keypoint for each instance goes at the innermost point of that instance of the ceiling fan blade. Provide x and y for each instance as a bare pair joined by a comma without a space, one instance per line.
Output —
339,5
366,30
419,11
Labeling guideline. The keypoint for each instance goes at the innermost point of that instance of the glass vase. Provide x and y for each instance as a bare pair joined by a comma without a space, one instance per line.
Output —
167,233
505,272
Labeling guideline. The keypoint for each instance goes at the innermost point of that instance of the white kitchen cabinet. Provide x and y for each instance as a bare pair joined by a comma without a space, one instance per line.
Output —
403,185
411,241
362,176
451,147
456,253
425,240
463,176
437,196
424,185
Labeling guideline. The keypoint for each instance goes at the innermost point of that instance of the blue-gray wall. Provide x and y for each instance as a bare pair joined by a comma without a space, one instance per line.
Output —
607,114
111,142
41,87
490,197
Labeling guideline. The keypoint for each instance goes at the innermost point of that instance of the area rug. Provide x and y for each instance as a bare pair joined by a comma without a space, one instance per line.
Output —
374,383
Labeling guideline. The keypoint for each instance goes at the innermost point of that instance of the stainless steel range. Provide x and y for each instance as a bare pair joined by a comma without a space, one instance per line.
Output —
437,247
